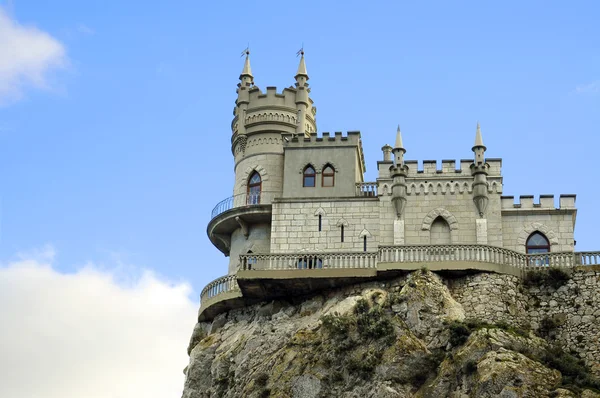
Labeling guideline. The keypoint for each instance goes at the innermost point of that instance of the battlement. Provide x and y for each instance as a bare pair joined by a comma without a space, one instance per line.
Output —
352,138
546,202
448,168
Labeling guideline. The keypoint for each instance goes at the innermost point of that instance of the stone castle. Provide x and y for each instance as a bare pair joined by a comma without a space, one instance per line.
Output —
302,218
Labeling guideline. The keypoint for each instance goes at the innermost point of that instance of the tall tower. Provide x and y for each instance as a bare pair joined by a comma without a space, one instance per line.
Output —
242,223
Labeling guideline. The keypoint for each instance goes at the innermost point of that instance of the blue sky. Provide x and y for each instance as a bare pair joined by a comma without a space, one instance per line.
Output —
115,120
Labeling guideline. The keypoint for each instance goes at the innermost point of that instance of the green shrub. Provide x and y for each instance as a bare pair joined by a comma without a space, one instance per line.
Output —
459,333
337,326
573,370
470,367
553,276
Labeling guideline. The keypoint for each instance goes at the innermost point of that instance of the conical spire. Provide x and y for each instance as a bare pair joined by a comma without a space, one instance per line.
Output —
398,139
247,71
478,138
301,67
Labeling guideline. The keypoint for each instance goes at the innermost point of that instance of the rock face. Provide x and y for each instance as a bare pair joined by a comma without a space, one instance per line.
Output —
406,337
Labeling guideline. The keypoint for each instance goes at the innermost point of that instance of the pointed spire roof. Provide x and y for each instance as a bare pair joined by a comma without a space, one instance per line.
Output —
398,139
302,67
478,138
247,71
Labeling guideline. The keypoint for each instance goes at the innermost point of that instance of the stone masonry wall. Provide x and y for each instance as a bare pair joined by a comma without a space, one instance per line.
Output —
295,225
574,307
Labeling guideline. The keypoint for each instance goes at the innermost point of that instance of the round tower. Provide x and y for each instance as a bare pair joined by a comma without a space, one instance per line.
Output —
398,173
242,224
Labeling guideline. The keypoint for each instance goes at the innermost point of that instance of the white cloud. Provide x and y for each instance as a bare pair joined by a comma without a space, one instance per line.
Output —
85,335
590,88
27,56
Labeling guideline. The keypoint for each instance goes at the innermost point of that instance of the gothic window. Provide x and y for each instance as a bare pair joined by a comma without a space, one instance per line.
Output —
328,176
310,262
308,177
254,188
537,243
250,260
440,232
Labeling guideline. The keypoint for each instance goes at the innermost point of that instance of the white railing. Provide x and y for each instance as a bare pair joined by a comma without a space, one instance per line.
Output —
220,285
367,189
445,253
308,261
587,258
243,199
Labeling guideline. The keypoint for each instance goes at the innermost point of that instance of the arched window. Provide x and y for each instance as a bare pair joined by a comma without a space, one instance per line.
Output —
439,233
254,188
308,178
328,176
537,243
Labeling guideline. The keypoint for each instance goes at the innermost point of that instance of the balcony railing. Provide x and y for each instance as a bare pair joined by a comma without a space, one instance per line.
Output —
366,189
398,254
307,261
241,200
218,286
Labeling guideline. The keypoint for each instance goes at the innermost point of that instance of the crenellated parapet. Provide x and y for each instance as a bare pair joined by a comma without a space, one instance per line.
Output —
545,202
449,168
351,139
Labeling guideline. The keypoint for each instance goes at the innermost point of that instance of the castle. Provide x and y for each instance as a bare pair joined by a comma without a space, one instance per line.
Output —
302,218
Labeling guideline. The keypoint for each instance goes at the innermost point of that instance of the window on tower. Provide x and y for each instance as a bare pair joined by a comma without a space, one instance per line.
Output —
328,176
308,178
254,188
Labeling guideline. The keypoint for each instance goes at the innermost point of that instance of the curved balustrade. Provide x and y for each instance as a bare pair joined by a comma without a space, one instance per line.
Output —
220,285
243,199
291,261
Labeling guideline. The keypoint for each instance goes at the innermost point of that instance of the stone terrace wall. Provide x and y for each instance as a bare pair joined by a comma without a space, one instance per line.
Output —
574,307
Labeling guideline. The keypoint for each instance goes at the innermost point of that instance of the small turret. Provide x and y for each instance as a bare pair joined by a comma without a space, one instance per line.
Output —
398,173
479,171
398,150
243,100
302,101
479,148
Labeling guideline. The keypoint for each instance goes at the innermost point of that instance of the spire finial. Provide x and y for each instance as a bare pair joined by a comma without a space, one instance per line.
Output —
398,139
302,65
478,138
247,71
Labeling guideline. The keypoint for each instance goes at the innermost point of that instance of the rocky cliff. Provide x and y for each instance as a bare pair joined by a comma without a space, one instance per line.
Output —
419,335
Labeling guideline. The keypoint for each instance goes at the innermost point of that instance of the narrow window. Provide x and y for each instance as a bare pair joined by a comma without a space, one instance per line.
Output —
342,231
328,176
320,221
365,243
308,179
254,188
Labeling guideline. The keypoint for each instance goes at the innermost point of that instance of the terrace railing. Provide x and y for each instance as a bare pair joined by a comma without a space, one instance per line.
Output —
307,261
366,189
241,200
220,285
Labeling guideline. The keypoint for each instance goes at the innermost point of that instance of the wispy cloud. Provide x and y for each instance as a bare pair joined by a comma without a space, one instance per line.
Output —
86,30
86,334
590,88
28,55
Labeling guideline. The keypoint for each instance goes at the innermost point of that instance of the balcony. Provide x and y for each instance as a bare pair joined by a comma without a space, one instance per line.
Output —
235,212
366,189
267,276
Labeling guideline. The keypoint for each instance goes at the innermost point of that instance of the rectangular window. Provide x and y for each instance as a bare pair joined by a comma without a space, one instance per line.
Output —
320,220
327,181
364,243
342,232
309,181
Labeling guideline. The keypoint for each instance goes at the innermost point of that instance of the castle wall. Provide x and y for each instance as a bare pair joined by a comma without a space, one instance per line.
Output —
258,241
296,225
574,307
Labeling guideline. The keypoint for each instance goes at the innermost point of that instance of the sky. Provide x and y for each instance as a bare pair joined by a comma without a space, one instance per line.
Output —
115,146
